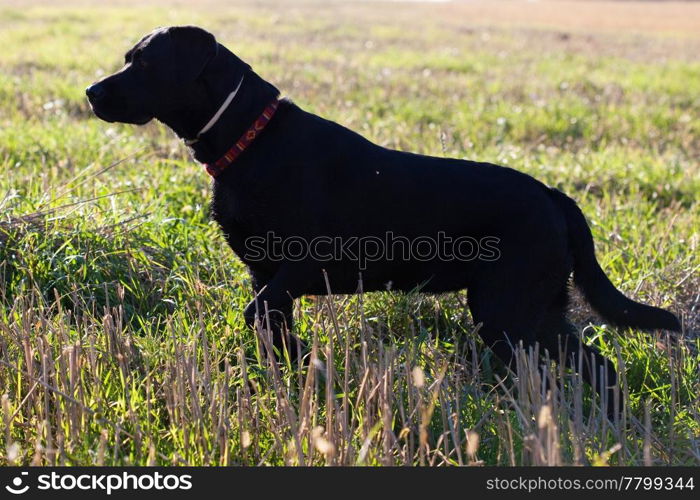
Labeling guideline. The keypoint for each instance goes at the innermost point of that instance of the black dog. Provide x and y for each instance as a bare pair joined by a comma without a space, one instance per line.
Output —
282,173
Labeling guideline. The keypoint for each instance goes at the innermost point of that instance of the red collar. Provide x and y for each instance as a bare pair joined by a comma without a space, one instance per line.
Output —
215,169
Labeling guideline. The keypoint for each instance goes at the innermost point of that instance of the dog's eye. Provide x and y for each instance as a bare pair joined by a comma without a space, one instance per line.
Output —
138,60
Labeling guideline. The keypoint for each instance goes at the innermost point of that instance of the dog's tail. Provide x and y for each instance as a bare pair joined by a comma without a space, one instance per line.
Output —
597,288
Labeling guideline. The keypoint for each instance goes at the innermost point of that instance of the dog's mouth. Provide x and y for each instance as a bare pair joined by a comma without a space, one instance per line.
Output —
99,113
122,116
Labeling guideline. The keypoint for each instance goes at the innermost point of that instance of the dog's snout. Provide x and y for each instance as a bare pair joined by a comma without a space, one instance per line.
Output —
95,92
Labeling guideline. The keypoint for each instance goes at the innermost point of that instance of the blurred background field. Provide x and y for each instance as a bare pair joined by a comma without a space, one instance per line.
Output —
121,334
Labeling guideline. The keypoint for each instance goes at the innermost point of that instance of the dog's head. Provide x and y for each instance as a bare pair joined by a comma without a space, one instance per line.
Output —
161,75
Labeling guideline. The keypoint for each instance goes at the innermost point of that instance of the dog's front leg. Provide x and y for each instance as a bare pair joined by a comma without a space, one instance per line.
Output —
273,306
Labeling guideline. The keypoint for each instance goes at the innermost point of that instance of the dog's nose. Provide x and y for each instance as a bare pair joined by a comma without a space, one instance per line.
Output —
95,92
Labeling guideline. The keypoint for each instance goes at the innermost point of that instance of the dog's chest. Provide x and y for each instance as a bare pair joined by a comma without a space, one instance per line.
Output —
240,212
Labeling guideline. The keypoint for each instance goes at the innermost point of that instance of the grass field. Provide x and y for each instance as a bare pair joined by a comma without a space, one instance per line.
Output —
121,334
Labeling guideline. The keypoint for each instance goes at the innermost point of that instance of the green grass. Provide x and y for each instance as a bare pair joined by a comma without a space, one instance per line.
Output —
121,333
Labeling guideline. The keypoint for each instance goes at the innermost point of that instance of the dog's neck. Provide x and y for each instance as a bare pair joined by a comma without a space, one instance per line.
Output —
206,98
250,102
222,109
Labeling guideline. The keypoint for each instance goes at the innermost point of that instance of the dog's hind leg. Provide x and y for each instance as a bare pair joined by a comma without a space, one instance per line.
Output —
508,320
562,340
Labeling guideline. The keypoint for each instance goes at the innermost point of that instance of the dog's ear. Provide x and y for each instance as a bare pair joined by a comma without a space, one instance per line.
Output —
193,48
